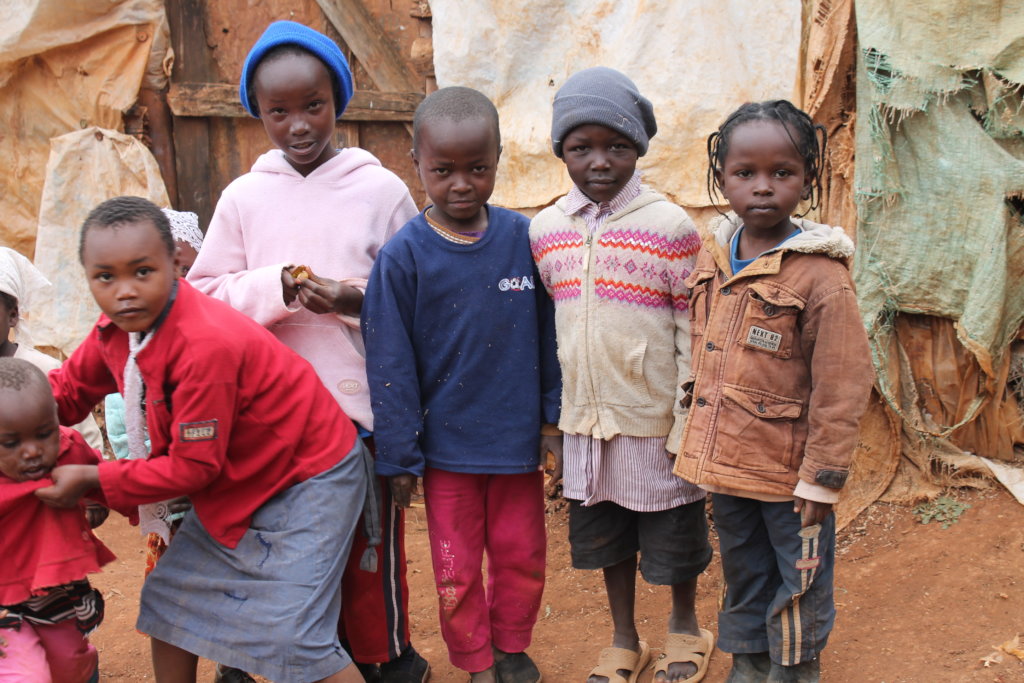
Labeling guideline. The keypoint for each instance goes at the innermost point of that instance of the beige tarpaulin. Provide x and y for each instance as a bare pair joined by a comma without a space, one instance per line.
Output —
828,94
696,61
85,167
63,67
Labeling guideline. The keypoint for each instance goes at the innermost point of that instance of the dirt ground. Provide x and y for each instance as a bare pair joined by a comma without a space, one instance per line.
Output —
916,603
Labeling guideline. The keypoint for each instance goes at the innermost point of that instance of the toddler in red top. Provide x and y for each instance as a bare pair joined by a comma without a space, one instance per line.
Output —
241,425
47,607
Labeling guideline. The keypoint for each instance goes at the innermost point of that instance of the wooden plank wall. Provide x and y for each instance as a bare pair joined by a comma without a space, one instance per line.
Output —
216,141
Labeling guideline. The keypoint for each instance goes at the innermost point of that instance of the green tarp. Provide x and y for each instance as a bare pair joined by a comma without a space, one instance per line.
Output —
939,178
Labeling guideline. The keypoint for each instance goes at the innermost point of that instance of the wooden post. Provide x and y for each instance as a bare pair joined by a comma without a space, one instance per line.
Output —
370,44
161,137
191,135
348,134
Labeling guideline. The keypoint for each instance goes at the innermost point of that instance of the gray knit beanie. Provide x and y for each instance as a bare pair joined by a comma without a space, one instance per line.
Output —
607,97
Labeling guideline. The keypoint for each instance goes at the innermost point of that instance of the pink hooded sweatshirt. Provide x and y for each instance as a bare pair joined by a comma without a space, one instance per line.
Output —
334,220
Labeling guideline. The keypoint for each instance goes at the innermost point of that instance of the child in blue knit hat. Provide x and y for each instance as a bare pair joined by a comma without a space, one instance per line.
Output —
291,244
614,254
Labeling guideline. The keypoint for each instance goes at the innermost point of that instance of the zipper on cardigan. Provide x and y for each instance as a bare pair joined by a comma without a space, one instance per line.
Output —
596,431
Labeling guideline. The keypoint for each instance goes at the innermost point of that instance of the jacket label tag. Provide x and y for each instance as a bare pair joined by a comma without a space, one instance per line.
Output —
198,431
764,339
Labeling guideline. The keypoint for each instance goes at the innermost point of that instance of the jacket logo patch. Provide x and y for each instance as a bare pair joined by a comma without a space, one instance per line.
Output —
198,431
764,339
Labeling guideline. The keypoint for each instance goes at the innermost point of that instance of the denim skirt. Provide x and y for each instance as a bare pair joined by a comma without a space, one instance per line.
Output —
269,606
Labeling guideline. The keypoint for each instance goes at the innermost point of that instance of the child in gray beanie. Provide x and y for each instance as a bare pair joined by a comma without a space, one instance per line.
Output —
607,97
613,254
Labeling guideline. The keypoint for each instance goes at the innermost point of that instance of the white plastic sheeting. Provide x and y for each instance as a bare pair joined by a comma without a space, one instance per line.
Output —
696,60
85,168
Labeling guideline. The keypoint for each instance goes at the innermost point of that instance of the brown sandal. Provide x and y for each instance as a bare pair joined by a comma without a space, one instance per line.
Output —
612,659
681,648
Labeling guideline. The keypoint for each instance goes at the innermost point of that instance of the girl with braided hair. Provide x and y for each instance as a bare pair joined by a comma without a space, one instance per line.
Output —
780,378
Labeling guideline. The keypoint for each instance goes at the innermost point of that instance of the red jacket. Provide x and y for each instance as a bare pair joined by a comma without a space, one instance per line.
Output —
42,546
234,416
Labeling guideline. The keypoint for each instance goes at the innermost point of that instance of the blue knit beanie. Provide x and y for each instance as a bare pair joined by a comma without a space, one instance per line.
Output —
292,33
606,97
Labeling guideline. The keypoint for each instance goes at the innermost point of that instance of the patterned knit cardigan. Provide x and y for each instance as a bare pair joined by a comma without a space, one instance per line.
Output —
621,315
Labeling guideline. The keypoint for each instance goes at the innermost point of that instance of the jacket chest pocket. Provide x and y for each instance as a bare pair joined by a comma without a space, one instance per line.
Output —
770,320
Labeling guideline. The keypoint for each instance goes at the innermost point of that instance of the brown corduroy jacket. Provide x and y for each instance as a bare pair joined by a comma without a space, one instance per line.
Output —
781,368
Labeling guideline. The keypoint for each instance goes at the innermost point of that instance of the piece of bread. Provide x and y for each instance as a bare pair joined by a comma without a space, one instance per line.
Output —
300,273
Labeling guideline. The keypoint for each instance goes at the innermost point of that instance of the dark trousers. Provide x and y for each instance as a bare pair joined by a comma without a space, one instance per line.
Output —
375,605
778,579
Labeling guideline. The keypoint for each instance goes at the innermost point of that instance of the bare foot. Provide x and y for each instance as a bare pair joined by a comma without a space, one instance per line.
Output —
678,672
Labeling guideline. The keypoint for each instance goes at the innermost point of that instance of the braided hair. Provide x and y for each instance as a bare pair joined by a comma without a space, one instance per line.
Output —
808,138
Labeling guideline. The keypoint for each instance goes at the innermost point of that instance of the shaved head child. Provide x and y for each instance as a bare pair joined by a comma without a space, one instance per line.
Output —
461,360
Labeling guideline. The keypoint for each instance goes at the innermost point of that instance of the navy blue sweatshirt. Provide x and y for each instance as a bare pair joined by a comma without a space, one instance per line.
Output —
460,351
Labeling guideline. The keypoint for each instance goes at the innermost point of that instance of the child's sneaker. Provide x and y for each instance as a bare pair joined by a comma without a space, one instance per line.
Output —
804,672
227,674
408,667
515,667
749,668
369,672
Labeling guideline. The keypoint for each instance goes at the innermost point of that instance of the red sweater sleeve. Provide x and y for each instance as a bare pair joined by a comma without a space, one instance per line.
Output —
76,451
82,381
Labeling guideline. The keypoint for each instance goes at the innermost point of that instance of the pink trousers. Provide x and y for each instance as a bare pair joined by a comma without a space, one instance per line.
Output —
502,515
46,654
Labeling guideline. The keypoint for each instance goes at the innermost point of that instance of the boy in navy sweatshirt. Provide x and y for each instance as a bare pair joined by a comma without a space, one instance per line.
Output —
463,374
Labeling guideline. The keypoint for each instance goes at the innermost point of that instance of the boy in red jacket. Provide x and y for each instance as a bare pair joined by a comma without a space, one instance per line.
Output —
240,424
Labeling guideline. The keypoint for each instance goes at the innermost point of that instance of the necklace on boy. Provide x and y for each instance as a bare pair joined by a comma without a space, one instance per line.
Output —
448,234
